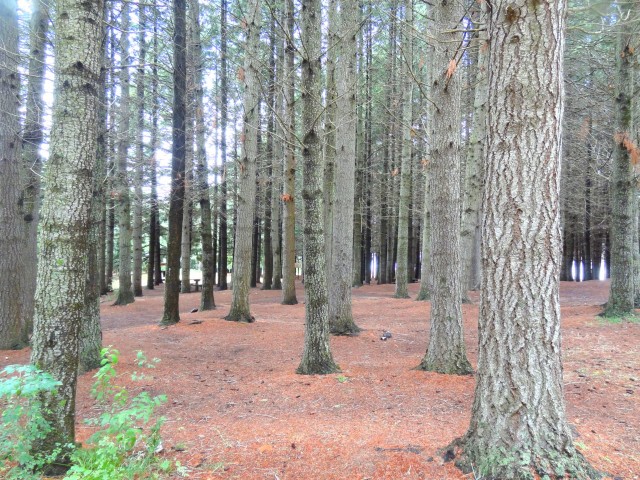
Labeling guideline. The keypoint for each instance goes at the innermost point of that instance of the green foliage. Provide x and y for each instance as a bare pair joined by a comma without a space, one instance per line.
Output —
342,378
23,422
128,435
124,445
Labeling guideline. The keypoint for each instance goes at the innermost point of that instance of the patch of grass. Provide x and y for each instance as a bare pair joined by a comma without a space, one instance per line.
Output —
342,378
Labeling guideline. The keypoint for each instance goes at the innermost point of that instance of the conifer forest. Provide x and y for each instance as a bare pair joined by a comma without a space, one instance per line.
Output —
320,239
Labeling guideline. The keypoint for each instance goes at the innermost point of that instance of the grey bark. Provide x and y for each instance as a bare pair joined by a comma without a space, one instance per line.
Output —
240,307
622,289
341,253
65,216
289,187
519,426
12,332
140,160
31,142
316,356
402,273
123,200
223,269
446,352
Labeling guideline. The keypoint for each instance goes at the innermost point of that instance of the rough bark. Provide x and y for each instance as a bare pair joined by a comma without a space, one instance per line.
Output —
289,193
31,142
519,425
621,292
316,356
208,260
267,246
240,308
11,198
139,167
470,234
171,314
65,216
344,163
223,267
402,274
446,352
123,200
278,164
189,190
153,264
425,267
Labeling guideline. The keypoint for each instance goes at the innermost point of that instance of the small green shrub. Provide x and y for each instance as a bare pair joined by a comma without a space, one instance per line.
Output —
128,435
22,422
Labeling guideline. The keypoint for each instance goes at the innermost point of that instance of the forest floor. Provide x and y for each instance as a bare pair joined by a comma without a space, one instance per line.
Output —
237,409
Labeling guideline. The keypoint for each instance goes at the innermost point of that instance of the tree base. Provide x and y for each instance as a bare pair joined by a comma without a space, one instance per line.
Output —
289,301
456,366
518,464
345,329
401,295
124,298
423,296
240,317
168,321
325,367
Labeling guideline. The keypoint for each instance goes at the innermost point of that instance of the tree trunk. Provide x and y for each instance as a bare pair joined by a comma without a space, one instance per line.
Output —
622,289
139,169
12,249
278,163
519,426
223,267
123,200
470,234
446,352
316,357
341,274
31,142
171,314
189,190
65,219
289,193
208,260
154,273
240,309
402,274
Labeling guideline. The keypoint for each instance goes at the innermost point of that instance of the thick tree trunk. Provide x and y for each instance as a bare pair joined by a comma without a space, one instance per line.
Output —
289,193
171,312
340,312
519,426
65,219
446,352
316,357
123,200
402,274
425,266
12,246
240,308
32,162
622,290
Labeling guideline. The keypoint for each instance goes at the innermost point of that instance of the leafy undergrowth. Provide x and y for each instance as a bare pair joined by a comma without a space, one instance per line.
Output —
126,439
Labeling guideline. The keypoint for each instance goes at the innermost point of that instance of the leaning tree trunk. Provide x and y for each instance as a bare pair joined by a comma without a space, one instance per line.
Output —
344,152
289,187
171,312
31,142
402,274
240,309
123,201
11,223
519,426
66,216
316,357
446,352
621,292
208,260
